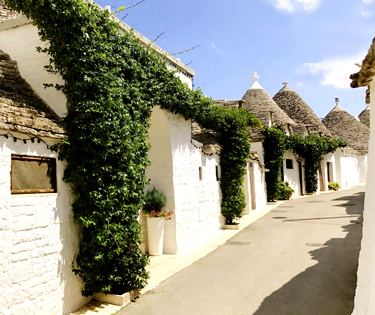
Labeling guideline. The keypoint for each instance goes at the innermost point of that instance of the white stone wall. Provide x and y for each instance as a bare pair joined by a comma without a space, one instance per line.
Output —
174,170
260,186
38,241
362,163
20,43
292,175
349,170
258,147
364,302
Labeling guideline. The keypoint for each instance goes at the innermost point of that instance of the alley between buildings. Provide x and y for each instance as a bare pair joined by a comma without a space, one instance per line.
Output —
300,259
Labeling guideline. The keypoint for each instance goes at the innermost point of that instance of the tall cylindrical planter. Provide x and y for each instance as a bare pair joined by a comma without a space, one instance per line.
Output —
155,236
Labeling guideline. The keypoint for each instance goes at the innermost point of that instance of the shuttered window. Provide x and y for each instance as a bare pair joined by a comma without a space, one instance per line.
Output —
31,175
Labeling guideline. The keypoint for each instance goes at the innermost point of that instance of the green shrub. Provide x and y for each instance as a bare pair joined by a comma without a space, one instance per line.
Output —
274,148
154,200
111,82
333,185
284,192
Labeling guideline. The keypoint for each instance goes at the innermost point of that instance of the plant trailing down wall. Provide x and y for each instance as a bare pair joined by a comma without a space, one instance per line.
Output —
311,149
274,144
111,84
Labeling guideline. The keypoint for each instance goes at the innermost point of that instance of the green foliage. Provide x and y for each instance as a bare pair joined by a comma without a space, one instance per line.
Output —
284,192
274,148
312,149
154,200
333,185
111,83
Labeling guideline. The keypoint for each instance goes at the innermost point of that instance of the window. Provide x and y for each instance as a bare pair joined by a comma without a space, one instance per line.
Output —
289,163
200,173
217,172
30,175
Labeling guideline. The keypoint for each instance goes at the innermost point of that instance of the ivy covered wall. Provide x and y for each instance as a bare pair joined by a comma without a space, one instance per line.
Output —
111,84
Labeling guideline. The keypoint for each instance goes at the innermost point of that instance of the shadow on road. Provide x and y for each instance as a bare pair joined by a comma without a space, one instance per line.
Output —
328,287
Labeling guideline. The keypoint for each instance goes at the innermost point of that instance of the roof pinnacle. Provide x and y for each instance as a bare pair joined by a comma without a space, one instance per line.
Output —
337,100
255,77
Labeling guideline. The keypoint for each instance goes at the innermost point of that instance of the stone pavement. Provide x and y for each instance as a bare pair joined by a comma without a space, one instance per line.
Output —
165,266
299,259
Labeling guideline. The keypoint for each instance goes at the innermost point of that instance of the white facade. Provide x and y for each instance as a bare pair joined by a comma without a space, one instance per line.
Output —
364,302
38,241
176,165
20,43
351,169
295,175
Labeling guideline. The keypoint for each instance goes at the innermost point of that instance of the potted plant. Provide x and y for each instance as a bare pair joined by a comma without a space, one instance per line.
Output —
333,186
152,209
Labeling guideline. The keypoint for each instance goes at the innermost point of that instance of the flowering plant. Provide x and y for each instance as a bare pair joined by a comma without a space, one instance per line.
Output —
159,214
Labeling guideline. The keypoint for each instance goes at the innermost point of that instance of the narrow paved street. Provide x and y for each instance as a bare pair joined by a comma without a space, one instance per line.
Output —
300,259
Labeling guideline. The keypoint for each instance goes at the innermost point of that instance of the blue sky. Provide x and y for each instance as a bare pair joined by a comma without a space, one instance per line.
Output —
311,44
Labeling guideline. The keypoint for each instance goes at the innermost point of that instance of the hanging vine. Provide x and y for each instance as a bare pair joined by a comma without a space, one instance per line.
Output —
111,84
274,144
311,149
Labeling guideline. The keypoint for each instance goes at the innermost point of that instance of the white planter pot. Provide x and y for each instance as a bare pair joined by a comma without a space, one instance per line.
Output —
117,299
155,235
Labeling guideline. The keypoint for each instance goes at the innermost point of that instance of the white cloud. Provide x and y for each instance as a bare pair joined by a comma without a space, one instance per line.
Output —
294,5
285,5
336,71
368,1
309,4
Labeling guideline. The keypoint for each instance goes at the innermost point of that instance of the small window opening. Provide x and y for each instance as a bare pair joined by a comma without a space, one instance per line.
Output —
289,163
217,172
31,175
200,173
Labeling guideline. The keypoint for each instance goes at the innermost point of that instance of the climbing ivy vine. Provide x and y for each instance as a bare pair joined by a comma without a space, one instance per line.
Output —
111,84
311,149
274,148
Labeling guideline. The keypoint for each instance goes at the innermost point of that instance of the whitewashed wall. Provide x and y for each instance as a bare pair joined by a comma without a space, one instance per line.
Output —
364,302
362,164
292,175
38,241
20,43
174,169
328,158
260,186
258,147
349,170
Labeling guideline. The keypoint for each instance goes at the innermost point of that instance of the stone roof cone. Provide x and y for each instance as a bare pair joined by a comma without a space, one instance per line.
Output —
263,107
346,127
298,110
364,116
21,109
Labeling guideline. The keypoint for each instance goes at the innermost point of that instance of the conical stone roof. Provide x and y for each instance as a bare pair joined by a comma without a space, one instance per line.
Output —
364,117
298,110
258,102
21,109
346,127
